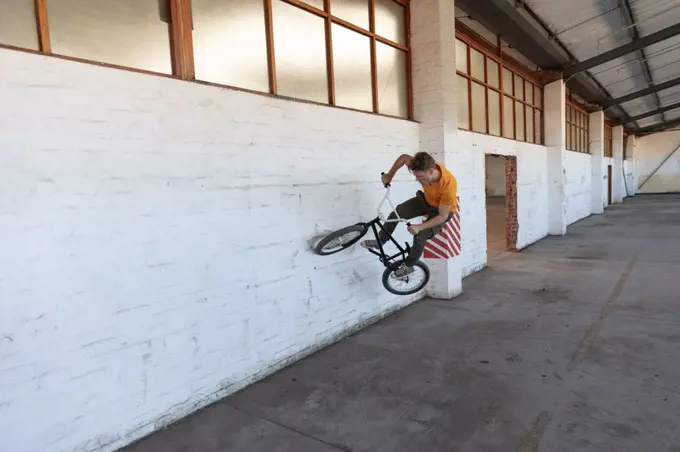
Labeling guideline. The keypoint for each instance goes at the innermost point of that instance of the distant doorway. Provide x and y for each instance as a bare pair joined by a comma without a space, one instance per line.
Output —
609,185
501,204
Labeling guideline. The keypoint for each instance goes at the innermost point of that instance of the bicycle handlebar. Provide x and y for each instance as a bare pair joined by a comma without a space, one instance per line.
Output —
385,185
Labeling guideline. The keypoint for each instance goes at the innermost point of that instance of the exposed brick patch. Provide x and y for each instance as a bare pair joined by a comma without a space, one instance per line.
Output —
511,223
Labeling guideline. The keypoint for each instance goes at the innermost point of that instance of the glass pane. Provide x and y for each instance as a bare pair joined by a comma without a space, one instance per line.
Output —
538,96
529,126
574,144
17,24
519,87
478,108
494,112
353,11
507,81
230,45
463,106
537,129
508,115
476,64
124,32
315,3
519,120
568,137
392,94
390,20
586,144
492,73
300,52
461,56
529,92
352,68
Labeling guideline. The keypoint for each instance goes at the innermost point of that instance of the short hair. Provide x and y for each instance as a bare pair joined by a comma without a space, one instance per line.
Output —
422,161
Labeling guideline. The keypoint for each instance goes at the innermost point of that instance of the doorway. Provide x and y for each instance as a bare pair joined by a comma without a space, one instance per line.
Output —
501,204
609,185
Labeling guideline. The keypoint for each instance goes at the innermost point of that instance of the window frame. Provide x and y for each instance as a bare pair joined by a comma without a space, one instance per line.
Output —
473,41
576,117
182,53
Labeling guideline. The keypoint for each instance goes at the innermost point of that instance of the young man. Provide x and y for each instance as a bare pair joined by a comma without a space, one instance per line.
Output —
437,201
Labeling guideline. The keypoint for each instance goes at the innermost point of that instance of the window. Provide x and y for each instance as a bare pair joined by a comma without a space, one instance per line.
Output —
347,53
577,128
494,98
608,149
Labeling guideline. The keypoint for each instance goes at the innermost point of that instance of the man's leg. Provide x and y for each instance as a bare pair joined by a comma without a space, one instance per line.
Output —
418,247
409,209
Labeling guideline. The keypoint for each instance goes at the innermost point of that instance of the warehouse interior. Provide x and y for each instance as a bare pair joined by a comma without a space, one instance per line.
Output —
167,165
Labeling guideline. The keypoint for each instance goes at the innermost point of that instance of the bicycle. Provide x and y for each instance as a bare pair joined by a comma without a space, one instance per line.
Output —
344,238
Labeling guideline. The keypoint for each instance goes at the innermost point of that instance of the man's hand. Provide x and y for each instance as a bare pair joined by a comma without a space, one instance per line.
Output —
414,229
387,178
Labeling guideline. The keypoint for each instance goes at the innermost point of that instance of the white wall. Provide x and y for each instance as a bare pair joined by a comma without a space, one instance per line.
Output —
494,175
650,152
155,244
579,179
532,194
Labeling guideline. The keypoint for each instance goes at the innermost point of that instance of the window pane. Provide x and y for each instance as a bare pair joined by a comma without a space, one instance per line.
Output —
519,120
124,32
537,129
529,92
519,87
300,52
586,144
574,144
463,106
230,43
478,108
392,94
353,11
507,81
18,24
538,96
477,64
352,68
461,56
315,3
492,73
508,115
529,126
494,112
390,20
568,137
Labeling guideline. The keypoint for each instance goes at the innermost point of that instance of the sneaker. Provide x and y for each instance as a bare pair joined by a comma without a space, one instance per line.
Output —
370,244
402,271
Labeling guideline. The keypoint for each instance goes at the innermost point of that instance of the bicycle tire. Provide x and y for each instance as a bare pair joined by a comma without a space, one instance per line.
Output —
360,228
386,280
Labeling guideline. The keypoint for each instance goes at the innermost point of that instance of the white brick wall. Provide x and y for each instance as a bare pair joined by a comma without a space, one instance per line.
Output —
578,170
155,244
650,153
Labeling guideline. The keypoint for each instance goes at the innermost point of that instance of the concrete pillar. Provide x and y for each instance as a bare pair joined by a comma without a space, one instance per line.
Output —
617,166
597,154
630,166
555,127
433,44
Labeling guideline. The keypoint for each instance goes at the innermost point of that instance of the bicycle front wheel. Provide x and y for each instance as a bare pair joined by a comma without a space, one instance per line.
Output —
408,284
340,239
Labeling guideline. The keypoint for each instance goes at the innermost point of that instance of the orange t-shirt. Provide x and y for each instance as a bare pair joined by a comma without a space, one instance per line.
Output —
443,192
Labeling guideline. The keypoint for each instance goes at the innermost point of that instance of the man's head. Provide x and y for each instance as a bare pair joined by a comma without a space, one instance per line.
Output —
424,168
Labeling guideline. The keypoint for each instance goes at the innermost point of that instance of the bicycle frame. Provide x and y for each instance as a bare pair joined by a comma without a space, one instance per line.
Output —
403,252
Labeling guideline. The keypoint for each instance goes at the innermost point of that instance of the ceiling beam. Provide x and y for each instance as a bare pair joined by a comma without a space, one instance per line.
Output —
629,21
643,92
659,127
658,111
623,50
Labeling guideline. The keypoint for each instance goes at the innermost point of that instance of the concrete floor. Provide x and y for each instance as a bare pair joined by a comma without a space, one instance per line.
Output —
496,242
570,345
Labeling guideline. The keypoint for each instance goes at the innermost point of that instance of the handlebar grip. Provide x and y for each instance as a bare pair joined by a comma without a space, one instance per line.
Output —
385,185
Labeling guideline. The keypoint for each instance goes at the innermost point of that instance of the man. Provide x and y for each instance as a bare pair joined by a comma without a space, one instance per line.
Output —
437,201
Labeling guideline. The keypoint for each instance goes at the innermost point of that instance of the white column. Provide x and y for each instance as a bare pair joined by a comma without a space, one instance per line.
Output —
597,154
617,166
629,166
433,45
555,126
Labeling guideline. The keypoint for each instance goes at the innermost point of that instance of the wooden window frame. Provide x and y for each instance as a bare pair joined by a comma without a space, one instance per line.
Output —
473,42
577,118
182,52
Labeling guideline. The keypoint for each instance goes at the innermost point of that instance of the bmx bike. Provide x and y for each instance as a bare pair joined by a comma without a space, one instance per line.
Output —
348,236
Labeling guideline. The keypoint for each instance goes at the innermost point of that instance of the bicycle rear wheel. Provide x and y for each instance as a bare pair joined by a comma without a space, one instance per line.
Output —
408,284
340,239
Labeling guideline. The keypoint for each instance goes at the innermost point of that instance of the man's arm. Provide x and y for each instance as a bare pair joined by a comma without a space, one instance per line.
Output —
402,160
441,218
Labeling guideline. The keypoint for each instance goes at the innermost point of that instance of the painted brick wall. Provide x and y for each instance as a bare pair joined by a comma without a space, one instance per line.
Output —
650,154
578,170
155,244
532,194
